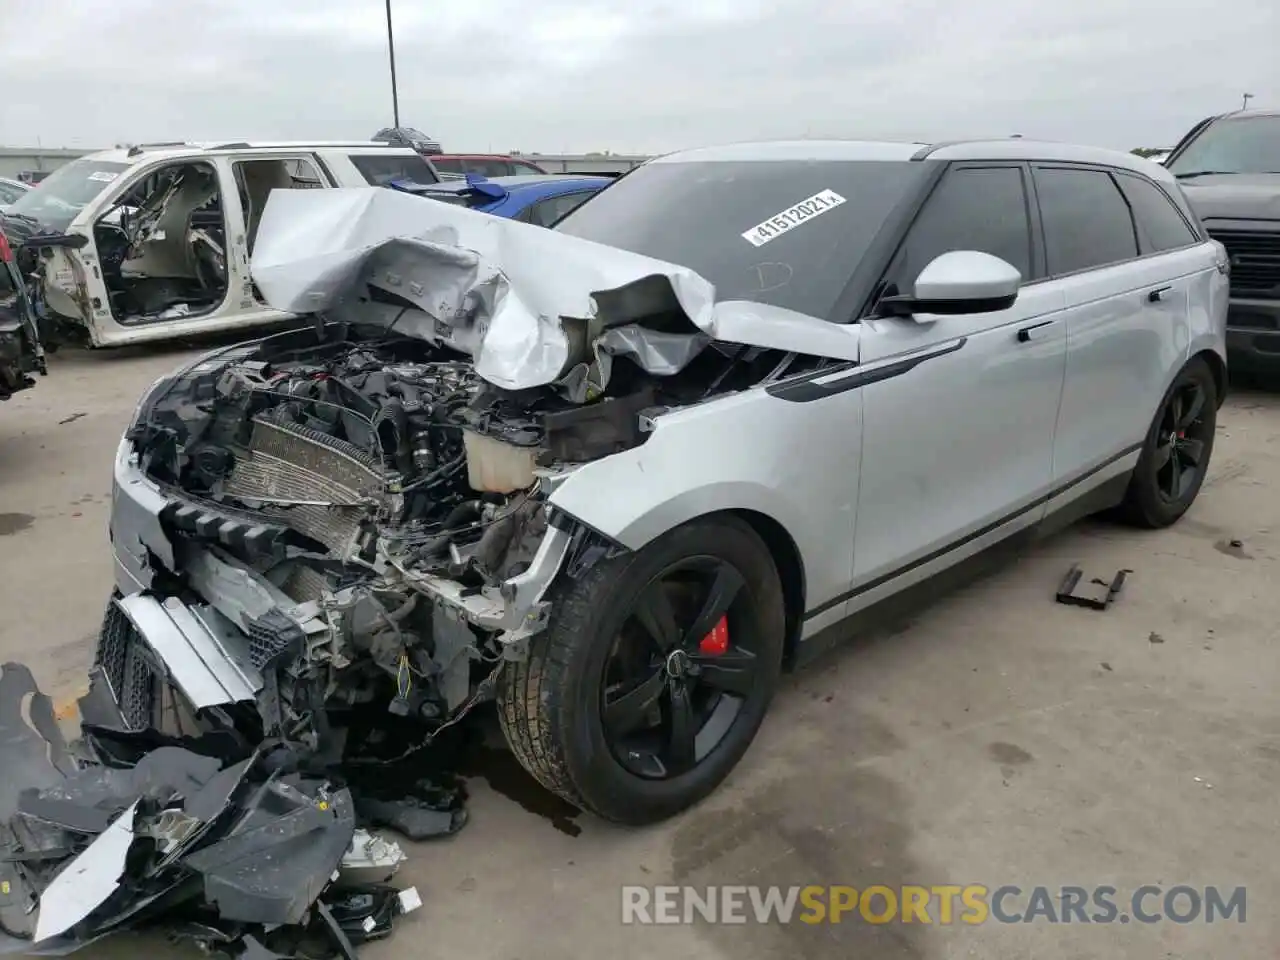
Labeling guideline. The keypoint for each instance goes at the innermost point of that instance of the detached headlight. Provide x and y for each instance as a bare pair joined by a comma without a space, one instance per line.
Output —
208,363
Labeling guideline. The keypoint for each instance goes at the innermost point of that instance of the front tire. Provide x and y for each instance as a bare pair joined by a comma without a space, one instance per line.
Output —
653,675
1175,456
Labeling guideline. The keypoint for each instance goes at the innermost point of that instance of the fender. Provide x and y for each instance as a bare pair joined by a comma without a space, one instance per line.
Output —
796,463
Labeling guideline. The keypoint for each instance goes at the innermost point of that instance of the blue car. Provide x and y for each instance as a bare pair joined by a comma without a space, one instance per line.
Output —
537,199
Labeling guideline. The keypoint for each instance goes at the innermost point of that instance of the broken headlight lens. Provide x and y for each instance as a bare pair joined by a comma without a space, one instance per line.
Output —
203,365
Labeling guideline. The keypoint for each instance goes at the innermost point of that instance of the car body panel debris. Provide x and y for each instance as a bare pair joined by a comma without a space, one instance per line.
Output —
235,847
1094,593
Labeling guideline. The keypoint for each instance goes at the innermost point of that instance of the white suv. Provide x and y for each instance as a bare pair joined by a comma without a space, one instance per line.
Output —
153,241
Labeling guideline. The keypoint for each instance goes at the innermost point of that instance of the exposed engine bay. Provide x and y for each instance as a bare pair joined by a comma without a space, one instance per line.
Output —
352,515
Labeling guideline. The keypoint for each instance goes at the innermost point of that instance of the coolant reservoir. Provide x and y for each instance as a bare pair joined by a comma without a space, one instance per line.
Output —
495,466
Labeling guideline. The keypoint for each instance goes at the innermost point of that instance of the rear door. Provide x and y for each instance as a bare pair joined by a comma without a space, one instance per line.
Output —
1127,282
253,178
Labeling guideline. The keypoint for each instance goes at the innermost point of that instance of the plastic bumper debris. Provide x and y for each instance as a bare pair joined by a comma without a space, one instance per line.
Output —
245,850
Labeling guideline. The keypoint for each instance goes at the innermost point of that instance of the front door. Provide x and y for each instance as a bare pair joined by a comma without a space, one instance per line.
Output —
957,448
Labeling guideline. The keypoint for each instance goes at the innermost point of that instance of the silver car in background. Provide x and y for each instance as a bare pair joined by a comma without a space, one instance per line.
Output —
11,191
619,474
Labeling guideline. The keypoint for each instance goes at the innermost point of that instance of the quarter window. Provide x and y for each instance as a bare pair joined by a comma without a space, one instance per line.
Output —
1087,223
1160,224
973,208
546,212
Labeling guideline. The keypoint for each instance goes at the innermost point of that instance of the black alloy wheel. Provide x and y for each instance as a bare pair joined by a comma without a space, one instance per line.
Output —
1182,441
680,670
654,673
1175,456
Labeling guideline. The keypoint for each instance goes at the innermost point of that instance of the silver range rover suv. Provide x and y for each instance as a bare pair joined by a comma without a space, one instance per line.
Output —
620,474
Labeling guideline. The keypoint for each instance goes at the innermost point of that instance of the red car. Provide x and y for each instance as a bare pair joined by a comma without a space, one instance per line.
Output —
489,165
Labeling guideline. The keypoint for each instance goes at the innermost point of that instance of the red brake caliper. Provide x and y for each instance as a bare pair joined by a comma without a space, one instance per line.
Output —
716,642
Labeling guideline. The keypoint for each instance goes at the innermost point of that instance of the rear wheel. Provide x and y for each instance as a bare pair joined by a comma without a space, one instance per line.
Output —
1175,457
653,675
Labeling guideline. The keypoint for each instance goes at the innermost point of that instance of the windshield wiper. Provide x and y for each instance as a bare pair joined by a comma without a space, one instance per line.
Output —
1202,173
24,217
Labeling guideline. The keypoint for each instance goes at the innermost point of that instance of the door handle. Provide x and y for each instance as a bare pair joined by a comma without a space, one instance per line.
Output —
1156,295
1034,332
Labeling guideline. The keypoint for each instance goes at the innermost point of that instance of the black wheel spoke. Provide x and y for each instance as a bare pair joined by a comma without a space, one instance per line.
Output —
654,613
681,754
1163,453
1191,451
630,711
731,672
1185,476
724,590
1175,475
1187,414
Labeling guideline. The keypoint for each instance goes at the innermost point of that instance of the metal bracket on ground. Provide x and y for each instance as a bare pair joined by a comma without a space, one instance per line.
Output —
1096,594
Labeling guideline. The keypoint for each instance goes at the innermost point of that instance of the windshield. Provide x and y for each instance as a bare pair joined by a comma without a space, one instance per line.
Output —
1238,145
64,193
809,222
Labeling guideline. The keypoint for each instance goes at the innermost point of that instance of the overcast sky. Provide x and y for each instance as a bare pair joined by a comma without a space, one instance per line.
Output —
630,75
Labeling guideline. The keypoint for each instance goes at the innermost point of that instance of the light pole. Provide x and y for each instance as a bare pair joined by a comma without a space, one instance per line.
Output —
1245,104
391,55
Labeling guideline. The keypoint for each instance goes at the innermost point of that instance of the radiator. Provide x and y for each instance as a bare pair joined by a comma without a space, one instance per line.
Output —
287,462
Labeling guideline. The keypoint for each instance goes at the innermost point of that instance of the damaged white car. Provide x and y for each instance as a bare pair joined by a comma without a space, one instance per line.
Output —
153,241
618,473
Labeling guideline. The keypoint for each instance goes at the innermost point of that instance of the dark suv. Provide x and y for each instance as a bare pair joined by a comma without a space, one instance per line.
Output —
1229,168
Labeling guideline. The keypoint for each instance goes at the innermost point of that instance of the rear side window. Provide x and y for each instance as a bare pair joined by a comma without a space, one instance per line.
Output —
973,208
1087,223
546,212
1160,224
381,170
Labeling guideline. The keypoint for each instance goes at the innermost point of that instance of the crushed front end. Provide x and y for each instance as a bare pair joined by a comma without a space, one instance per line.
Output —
361,512
303,525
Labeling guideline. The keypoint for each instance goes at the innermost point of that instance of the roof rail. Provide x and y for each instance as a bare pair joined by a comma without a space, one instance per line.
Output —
137,148
298,144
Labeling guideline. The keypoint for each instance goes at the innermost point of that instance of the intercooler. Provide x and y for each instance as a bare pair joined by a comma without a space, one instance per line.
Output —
319,486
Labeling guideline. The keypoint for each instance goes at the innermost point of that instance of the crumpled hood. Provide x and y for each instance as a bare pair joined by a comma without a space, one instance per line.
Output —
532,306
1235,196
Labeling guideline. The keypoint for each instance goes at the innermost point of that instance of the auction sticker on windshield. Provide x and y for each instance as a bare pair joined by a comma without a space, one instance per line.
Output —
105,176
792,217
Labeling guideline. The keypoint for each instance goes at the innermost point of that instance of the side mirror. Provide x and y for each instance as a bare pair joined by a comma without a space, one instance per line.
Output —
957,283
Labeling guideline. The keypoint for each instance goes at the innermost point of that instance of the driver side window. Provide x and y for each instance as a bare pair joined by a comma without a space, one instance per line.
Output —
972,208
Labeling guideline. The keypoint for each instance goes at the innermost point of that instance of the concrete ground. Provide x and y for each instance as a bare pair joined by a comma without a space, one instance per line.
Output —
999,738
